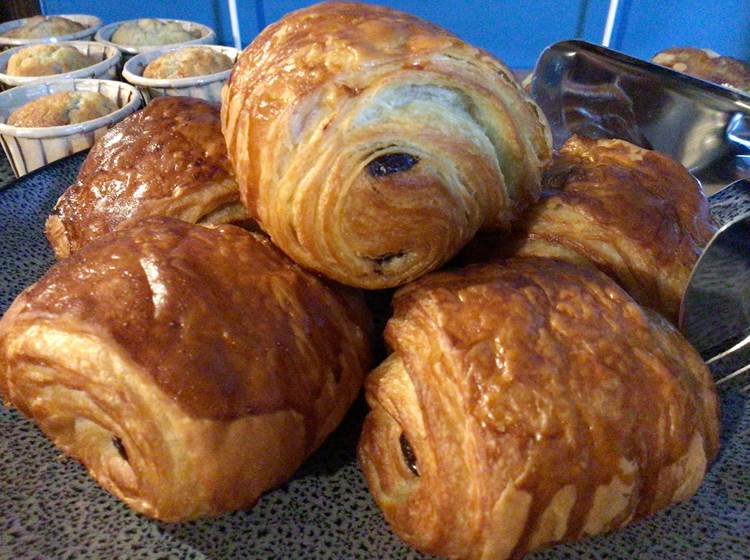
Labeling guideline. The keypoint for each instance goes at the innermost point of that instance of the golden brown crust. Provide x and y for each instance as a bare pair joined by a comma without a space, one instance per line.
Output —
45,60
633,213
190,61
707,65
62,109
539,403
167,160
372,145
199,340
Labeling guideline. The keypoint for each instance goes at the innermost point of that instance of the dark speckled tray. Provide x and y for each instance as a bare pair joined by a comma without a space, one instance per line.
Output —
6,172
50,508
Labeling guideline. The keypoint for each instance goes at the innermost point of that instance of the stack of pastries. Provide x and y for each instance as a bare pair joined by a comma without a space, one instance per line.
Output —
205,328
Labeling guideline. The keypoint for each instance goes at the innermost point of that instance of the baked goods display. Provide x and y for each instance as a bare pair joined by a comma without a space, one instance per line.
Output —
46,60
506,420
39,27
147,32
62,108
168,159
537,396
707,65
371,145
188,368
187,62
635,214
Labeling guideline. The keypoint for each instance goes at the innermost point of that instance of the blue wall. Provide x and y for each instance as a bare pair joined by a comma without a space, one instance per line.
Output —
646,26
514,30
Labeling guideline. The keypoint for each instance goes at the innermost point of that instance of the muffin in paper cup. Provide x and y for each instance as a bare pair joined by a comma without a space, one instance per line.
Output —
206,36
207,87
31,148
105,69
91,25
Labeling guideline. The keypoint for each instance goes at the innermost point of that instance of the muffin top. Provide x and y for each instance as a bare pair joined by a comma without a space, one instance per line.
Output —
190,61
60,109
39,27
47,59
150,32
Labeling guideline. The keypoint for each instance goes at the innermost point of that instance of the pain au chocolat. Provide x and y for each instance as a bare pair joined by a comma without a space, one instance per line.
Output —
635,214
529,402
168,159
371,145
190,369
707,65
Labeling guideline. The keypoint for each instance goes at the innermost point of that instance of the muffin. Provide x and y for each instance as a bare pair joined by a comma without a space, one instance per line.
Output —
190,61
64,108
47,59
151,32
39,27
707,65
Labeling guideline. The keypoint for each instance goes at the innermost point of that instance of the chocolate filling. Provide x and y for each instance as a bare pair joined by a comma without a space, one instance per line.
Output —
117,442
386,258
391,163
408,453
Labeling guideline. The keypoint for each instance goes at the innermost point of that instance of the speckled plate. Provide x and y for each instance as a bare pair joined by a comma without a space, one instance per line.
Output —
50,508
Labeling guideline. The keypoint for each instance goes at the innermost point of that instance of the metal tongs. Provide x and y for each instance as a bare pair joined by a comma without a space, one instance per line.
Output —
715,308
593,91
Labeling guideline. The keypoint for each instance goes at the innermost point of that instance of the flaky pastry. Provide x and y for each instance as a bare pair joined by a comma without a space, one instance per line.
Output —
167,160
371,145
190,369
529,402
635,214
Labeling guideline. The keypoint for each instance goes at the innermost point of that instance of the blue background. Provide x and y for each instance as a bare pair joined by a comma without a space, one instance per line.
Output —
514,30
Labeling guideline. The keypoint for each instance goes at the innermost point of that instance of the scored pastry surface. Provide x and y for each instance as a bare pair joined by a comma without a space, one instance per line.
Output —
527,403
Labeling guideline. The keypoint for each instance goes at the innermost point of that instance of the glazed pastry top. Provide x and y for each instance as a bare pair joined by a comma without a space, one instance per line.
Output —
642,192
199,319
528,402
635,214
167,159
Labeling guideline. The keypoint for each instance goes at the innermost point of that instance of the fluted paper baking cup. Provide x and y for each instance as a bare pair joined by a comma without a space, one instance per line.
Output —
31,148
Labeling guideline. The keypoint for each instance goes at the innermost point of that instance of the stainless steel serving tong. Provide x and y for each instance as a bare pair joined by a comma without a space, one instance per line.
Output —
589,90
715,308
